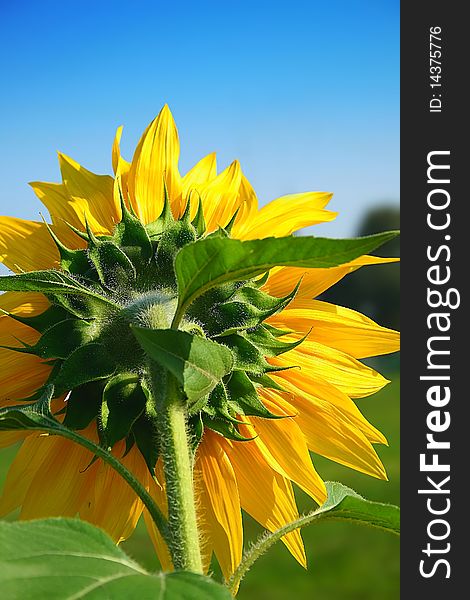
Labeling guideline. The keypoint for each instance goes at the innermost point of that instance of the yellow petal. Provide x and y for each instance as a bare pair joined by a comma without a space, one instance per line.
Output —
21,303
279,434
315,281
90,196
24,467
58,484
219,494
287,214
341,370
338,327
265,494
20,374
330,433
119,164
202,172
247,207
220,197
155,161
26,245
312,388
121,168
116,151
120,519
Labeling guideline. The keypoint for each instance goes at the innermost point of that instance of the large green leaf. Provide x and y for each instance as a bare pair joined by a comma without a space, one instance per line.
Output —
209,262
196,362
342,503
68,558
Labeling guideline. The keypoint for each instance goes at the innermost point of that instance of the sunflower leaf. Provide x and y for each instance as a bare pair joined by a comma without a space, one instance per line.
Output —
197,363
76,559
214,260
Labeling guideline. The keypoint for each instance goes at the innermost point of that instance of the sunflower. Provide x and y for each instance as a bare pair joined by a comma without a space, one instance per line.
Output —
298,357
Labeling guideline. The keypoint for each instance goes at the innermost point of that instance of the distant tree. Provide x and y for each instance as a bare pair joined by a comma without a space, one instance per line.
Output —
374,290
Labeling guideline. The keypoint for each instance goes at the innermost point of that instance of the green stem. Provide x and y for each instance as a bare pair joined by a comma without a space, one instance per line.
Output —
171,416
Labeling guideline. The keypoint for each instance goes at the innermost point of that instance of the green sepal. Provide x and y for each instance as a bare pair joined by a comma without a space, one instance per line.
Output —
206,303
155,228
269,344
186,216
244,392
81,234
81,307
130,443
276,331
123,403
220,405
199,222
218,233
228,228
247,308
247,357
83,404
63,338
267,382
269,305
174,237
131,232
146,438
258,283
113,266
87,363
225,428
72,261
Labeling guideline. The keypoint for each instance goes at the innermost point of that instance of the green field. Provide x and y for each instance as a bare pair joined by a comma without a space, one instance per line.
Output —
346,562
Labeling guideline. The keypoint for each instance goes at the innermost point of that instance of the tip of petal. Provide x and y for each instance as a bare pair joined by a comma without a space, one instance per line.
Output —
66,160
165,113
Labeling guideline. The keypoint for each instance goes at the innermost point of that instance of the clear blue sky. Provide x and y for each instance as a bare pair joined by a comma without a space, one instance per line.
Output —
304,93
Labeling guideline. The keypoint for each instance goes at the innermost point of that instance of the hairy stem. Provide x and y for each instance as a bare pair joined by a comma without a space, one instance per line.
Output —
171,416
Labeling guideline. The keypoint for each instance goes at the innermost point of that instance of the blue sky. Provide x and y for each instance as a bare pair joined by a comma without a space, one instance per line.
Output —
305,94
